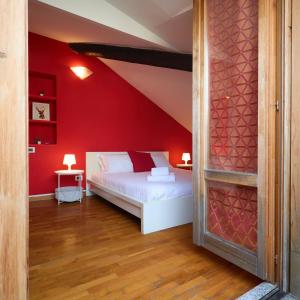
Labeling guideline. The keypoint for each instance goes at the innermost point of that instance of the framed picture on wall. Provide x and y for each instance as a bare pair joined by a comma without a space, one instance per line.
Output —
40,111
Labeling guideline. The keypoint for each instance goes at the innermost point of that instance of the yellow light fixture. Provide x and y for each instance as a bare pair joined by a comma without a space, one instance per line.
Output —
69,160
81,72
186,157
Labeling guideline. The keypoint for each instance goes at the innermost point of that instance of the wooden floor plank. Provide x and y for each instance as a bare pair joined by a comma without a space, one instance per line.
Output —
96,251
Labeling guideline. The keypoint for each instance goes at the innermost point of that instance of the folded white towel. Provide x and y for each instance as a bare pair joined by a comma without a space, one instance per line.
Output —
161,178
160,171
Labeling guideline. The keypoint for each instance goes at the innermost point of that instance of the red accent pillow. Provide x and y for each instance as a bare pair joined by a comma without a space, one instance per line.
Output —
142,162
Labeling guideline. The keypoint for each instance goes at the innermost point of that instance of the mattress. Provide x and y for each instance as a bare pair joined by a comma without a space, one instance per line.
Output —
136,186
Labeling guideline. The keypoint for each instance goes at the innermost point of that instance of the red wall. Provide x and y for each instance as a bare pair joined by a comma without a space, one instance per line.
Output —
100,113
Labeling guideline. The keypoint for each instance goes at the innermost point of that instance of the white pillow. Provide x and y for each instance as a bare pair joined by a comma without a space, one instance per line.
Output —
115,163
100,163
160,160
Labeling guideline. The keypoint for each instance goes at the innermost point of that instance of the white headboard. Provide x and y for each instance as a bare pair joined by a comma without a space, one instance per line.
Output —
92,160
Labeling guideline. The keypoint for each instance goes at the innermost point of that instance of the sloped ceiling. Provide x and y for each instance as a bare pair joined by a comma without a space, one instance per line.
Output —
155,24
169,19
168,89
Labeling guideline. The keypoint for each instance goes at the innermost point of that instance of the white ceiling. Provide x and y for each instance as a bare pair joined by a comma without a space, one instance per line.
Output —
169,19
67,27
158,24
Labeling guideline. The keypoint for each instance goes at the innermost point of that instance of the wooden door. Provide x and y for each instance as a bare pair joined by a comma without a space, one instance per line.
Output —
295,155
234,103
13,150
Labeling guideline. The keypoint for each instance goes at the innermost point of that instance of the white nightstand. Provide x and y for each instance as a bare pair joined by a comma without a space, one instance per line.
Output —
185,166
70,193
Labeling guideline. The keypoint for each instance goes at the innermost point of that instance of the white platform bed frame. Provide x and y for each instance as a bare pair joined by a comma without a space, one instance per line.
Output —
154,215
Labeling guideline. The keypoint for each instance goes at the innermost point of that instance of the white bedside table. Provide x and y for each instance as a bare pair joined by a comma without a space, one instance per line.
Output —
70,173
185,166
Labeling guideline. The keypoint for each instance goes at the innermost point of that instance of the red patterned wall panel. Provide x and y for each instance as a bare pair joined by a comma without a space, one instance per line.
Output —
233,80
232,213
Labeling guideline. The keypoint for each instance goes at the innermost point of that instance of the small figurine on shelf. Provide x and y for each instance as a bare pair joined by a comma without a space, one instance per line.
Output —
42,93
37,141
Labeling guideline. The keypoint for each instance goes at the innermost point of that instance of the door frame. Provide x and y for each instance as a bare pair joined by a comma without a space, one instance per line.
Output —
13,150
266,136
294,243
284,150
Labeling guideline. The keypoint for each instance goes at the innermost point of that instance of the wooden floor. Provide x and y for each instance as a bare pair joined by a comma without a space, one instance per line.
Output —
96,251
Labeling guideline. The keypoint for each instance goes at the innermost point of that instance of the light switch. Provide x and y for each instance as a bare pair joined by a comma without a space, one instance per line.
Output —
31,149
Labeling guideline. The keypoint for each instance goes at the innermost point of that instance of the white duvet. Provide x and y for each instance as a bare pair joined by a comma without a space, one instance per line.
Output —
136,186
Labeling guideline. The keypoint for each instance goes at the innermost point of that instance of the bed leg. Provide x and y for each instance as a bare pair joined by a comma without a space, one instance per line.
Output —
88,191
149,222
144,221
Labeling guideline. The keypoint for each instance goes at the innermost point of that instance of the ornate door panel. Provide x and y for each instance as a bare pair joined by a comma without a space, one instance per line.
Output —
231,149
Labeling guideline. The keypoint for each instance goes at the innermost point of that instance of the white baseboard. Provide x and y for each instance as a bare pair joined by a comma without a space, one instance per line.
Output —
40,197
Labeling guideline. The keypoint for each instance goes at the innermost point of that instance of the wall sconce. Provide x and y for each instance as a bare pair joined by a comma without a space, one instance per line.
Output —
81,72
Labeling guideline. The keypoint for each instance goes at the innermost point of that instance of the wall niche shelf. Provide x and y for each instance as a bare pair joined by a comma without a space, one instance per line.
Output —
42,122
42,93
42,98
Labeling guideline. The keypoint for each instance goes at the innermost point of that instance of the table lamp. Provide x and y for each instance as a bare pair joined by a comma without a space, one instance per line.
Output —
69,160
186,157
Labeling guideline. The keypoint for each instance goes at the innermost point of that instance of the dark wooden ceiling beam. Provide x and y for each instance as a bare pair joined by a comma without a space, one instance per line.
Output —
171,60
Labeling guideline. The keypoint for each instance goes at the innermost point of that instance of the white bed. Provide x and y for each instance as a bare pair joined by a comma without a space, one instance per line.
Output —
158,205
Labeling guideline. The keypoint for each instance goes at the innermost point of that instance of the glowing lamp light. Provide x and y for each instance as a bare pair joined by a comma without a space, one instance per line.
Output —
69,160
186,157
81,72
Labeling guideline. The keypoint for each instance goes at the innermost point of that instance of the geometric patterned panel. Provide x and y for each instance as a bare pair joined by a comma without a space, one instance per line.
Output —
232,213
233,84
